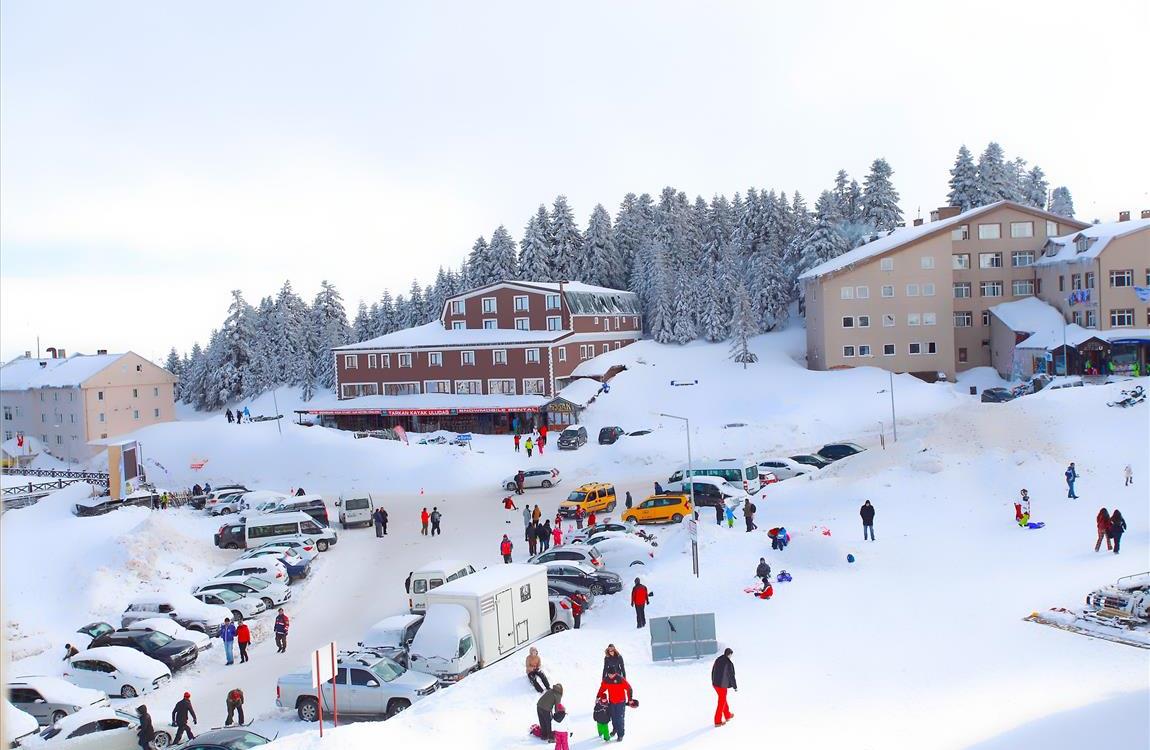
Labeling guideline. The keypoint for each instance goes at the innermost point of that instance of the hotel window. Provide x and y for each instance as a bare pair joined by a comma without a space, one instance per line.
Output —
962,354
404,360
606,324
1081,244
8,434
1076,317
929,319
961,232
960,261
1022,258
963,319
886,264
385,360
400,389
434,359
505,387
467,358
848,322
848,351
372,361
532,356
1122,278
1021,229
562,354
1051,228
156,413
985,318
583,354
554,323
912,290
931,348
135,394
471,387
1091,318
1022,287
606,348
458,325
1089,279
490,324
864,350
928,290
990,260
523,324
499,356
595,321
437,386
489,305
1122,318
101,416
1076,281
916,348
1062,283
456,307
990,288
847,292
926,262
864,321
532,386
888,350
135,415
989,231
862,292
887,321
350,362
913,319
888,290
961,289
522,303
553,302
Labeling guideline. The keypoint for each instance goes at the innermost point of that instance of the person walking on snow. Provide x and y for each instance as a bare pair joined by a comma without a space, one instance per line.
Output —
505,549
639,598
145,732
580,514
526,515
424,517
613,662
628,501
244,639
535,671
763,572
1071,475
531,536
520,480
545,536
1129,475
602,716
180,714
517,442
556,536
540,443
1117,529
1102,521
230,416
436,517
529,445
719,512
247,414
282,624
591,520
235,703
619,694
377,520
749,514
228,636
383,517
867,513
536,514
544,708
723,679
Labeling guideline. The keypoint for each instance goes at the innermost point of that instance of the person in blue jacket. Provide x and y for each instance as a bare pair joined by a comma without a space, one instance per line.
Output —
1071,475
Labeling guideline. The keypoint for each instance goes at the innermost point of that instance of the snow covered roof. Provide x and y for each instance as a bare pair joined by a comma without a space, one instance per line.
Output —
433,403
438,636
571,286
433,335
24,373
582,299
486,581
1064,249
441,565
581,392
1029,315
1074,335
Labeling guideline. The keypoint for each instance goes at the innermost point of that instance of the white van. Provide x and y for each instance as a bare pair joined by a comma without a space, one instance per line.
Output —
275,527
355,507
432,576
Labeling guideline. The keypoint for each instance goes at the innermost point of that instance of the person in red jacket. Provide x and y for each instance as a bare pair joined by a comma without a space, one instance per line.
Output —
244,638
639,598
1103,523
505,549
591,520
619,695
576,611
424,517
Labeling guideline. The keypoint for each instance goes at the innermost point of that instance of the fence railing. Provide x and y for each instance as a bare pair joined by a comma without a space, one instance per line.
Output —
98,478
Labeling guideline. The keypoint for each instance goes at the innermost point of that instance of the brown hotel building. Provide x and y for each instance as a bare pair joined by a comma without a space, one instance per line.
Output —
499,356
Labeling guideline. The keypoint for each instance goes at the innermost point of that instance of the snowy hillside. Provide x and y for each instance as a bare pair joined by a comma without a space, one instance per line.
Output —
919,643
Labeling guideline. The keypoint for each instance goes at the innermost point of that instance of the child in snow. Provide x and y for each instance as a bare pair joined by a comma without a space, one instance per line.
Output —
1129,475
602,716
730,518
1023,509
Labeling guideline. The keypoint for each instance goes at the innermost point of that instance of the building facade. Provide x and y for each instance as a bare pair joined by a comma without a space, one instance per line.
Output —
71,403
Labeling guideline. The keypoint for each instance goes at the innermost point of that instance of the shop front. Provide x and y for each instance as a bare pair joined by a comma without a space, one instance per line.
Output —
481,420
560,412
1129,356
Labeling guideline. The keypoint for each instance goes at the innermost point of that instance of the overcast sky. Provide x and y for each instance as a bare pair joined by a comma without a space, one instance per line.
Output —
157,155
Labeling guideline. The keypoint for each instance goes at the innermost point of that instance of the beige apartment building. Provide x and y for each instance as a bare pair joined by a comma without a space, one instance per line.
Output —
68,403
918,299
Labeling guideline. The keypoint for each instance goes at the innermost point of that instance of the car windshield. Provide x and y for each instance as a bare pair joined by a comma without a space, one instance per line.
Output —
244,741
577,497
157,640
258,584
130,718
387,670
226,595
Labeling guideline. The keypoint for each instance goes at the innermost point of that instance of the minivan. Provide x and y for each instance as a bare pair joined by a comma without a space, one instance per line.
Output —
313,505
252,531
432,576
355,508
572,437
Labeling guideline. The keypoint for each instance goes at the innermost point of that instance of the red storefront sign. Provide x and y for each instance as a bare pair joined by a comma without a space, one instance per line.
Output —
424,412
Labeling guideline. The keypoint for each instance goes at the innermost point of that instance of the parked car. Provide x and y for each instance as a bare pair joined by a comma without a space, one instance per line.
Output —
639,433
783,468
368,686
101,728
267,568
623,552
92,631
116,670
572,437
19,726
709,491
313,505
580,536
183,608
582,594
839,451
175,630
356,508
297,566
253,530
610,435
593,497
229,738
996,395
272,594
49,699
810,459
572,571
223,496
172,653
545,478
240,607
392,636
584,553
304,547
562,616
199,502
671,507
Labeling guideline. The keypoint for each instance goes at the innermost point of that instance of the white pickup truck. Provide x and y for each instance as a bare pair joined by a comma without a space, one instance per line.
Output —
366,686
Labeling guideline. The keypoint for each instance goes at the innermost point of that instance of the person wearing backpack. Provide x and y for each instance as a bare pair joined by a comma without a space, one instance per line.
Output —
749,515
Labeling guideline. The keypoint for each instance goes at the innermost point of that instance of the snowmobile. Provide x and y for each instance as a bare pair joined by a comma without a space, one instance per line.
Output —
1119,613
1129,398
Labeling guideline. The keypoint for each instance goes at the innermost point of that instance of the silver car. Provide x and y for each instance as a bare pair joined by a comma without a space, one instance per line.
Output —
369,686
49,699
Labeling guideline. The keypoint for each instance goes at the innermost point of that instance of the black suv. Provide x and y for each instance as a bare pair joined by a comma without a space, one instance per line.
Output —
598,581
836,451
608,435
164,648
572,437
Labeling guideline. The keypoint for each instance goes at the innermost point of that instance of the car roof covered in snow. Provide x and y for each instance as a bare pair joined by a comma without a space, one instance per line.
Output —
439,634
17,723
584,567
74,721
485,581
125,659
387,631
446,564
187,604
59,690
168,627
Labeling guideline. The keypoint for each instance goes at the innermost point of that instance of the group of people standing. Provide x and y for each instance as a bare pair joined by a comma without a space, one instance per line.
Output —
434,518
613,698
239,416
182,712
1111,527
537,440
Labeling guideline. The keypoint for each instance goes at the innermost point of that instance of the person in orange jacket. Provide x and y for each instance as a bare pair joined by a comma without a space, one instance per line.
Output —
619,695
424,517
639,598
505,549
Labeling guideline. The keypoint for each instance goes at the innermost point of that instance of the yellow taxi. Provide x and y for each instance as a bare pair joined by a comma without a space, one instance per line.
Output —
594,497
670,506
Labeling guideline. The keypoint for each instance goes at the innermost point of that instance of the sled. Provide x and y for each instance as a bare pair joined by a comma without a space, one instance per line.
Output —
1118,629
1035,524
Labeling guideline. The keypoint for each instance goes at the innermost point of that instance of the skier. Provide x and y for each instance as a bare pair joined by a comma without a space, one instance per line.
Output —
529,446
377,519
517,442
618,693
436,517
1071,475
282,624
613,662
145,733
535,671
231,417
531,536
749,514
244,639
1103,523
543,708
526,516
639,598
867,513
730,514
628,502
1117,528
556,535
235,703
424,517
228,636
505,549
723,679
764,572
1129,475
180,714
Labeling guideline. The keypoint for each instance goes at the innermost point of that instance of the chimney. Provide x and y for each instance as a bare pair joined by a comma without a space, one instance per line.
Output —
947,212
1125,215
918,222
27,354
63,354
53,350
101,351
1146,213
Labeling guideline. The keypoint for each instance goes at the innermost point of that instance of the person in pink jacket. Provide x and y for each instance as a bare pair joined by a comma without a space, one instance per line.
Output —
557,536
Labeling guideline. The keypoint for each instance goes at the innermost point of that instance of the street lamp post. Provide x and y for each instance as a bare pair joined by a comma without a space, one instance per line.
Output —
893,421
694,509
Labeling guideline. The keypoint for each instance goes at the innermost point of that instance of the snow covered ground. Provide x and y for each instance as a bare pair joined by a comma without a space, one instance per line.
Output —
919,643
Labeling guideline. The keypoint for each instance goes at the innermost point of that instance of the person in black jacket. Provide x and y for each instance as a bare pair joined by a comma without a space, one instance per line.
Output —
383,516
145,733
1117,528
764,572
545,708
180,718
723,679
613,662
544,532
749,514
719,513
867,513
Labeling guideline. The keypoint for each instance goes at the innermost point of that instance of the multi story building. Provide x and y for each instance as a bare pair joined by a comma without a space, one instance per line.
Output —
70,403
498,356
918,299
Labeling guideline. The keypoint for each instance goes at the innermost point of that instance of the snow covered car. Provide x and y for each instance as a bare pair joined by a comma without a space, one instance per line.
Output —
116,670
562,616
710,491
272,594
838,451
224,495
229,738
99,729
392,636
183,608
580,536
783,468
175,630
584,553
305,548
49,699
19,726
368,686
91,631
810,459
622,553
174,654
544,478
297,565
239,607
267,568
